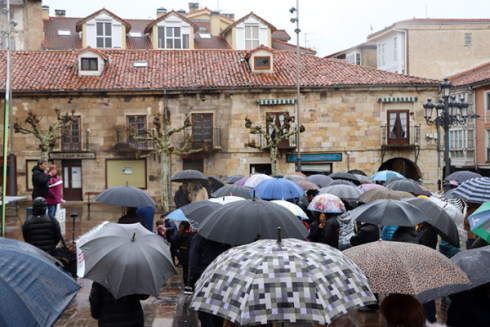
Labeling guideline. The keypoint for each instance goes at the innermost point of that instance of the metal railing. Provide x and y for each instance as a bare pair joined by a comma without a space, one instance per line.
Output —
261,141
213,141
123,138
412,139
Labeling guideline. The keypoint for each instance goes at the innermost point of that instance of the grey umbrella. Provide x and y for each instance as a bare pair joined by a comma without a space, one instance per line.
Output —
462,176
364,179
438,218
217,183
320,180
294,178
233,179
389,213
128,259
189,176
244,222
125,196
476,263
357,172
345,176
448,195
393,179
343,191
341,182
235,190
405,185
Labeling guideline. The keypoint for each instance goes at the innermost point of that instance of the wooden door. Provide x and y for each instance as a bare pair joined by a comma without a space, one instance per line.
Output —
278,120
72,180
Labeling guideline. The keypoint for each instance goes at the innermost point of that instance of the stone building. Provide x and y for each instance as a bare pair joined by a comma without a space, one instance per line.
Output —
355,116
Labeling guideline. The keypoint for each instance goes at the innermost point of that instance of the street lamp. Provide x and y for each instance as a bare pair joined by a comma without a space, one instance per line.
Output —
297,31
449,113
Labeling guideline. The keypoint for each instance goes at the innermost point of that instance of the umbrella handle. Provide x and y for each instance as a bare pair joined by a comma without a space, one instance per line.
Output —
134,234
279,235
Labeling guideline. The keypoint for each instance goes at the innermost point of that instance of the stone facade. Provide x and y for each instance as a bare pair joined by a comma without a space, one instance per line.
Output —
336,120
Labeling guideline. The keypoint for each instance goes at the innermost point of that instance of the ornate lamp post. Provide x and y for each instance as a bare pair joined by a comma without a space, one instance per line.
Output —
449,113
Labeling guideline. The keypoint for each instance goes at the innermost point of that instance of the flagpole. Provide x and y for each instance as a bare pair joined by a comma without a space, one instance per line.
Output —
6,119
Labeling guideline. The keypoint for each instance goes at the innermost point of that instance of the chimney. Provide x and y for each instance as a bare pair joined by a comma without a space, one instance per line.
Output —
193,6
45,12
60,12
161,11
181,11
215,20
231,16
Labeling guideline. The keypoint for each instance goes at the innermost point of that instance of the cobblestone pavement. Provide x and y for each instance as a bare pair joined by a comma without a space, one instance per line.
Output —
171,307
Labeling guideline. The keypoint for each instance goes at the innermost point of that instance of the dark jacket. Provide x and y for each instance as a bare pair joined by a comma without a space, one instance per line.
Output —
447,249
148,214
316,233
405,234
201,254
183,245
331,232
172,230
427,235
42,231
181,198
124,312
132,218
40,181
469,308
367,233
208,188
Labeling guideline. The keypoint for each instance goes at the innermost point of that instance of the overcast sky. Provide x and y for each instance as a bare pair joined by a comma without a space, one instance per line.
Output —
328,26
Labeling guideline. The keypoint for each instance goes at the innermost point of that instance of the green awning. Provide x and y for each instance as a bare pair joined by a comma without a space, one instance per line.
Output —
271,102
398,99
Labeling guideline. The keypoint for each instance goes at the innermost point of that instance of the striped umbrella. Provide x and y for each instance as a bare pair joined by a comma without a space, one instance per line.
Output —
476,190
383,193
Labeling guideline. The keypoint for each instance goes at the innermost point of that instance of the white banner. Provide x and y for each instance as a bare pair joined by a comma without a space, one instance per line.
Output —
81,241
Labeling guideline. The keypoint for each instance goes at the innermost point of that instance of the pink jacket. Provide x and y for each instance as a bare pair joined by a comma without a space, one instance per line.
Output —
54,195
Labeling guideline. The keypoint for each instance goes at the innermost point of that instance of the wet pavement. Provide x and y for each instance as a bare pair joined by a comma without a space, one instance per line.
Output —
171,307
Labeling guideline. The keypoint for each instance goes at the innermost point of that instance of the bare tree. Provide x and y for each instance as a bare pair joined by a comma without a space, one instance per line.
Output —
47,139
277,135
164,148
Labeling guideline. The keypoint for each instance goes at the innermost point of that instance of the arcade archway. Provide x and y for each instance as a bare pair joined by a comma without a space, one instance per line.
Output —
403,166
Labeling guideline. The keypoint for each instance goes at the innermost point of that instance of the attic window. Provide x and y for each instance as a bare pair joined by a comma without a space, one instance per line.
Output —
205,35
262,63
64,32
142,63
135,34
89,64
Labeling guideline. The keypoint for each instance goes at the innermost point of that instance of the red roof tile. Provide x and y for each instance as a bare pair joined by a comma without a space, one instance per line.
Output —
54,41
103,55
209,11
283,46
217,42
475,75
281,35
57,70
223,32
261,47
143,42
83,20
153,22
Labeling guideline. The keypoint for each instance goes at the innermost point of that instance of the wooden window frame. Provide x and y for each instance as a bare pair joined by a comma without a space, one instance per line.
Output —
261,67
104,35
197,143
70,148
392,141
136,123
89,59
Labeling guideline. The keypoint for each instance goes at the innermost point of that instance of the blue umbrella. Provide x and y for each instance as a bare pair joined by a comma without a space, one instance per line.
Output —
34,290
385,175
278,189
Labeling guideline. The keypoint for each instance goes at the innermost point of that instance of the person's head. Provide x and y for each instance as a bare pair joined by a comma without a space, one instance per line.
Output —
39,206
163,216
197,185
184,187
159,223
53,170
402,310
42,164
131,210
322,217
184,225
210,181
310,194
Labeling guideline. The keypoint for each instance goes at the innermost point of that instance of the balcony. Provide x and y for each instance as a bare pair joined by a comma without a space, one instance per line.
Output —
409,141
211,138
286,145
127,146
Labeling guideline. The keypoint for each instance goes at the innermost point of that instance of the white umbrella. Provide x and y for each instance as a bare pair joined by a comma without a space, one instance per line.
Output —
226,199
254,180
451,210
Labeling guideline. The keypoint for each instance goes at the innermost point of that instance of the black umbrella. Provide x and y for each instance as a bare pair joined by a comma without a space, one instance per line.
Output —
235,190
448,195
320,180
462,176
343,191
389,213
346,177
476,263
405,185
244,222
394,179
438,218
357,172
341,182
189,176
125,196
233,179
196,212
217,183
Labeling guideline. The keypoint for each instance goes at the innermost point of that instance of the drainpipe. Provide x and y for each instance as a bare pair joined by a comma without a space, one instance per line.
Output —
406,48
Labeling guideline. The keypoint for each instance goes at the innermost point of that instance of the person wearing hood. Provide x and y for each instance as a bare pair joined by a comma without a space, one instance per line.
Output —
199,193
405,310
40,187
54,194
405,234
181,197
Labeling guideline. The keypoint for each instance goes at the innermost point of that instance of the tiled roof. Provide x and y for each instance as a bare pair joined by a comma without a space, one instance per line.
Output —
262,47
153,22
368,44
217,42
281,35
208,11
472,76
51,38
434,21
83,20
282,46
103,55
273,28
57,70
143,42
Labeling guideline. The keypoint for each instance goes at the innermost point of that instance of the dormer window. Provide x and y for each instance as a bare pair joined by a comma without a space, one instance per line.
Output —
205,35
251,37
262,63
62,32
170,37
104,35
89,64
135,34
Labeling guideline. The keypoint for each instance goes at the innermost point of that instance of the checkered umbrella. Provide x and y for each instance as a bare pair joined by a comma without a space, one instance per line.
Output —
292,281
475,190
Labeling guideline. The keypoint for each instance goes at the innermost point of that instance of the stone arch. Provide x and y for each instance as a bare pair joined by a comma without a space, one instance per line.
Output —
403,166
